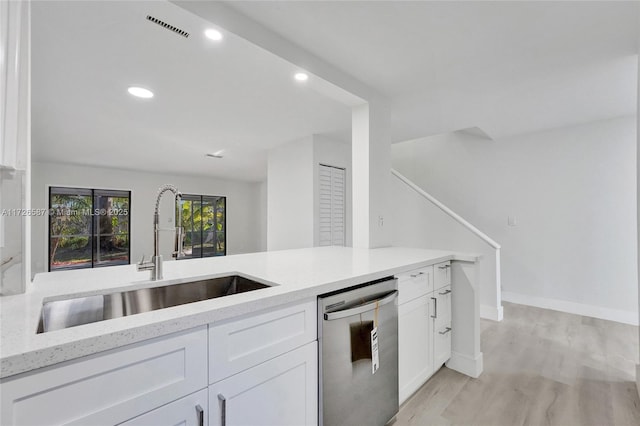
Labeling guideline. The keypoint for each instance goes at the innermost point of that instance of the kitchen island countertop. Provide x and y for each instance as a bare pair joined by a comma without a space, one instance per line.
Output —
296,275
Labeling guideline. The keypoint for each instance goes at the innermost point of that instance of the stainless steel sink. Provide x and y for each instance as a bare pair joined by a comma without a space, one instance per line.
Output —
61,314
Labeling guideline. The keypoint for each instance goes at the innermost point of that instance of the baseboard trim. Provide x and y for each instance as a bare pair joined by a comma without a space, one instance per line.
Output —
491,313
616,315
465,364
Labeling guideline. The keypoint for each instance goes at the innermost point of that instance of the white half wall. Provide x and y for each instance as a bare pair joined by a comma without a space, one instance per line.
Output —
419,223
570,194
243,206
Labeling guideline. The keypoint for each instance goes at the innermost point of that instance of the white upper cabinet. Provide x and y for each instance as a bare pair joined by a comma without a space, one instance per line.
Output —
14,84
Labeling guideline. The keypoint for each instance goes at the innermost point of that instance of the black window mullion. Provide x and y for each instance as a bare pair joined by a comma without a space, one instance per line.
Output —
93,229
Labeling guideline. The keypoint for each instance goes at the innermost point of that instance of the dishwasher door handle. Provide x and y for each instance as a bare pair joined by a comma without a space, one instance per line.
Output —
387,298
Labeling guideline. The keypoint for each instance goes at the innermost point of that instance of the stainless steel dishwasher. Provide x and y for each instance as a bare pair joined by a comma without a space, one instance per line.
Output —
358,345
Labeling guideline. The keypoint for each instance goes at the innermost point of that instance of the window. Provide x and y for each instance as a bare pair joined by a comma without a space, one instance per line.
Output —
204,219
88,228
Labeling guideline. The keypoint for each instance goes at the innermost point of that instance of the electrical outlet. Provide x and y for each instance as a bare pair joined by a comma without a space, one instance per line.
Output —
380,221
512,221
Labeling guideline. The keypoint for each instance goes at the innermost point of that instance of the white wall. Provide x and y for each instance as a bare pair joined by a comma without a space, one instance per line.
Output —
293,188
290,195
572,192
243,206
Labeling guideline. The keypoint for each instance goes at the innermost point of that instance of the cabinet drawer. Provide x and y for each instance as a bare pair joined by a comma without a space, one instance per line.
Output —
442,307
242,343
414,284
442,274
192,410
111,387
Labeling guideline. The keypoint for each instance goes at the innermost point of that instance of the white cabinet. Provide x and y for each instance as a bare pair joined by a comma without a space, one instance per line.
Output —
441,326
263,368
242,343
442,274
415,355
282,391
188,411
424,325
111,387
265,365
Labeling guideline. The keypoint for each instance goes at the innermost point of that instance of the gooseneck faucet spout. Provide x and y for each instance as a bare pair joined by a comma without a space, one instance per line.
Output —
155,265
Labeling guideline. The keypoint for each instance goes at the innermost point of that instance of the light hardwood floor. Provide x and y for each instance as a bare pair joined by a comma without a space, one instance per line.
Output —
541,367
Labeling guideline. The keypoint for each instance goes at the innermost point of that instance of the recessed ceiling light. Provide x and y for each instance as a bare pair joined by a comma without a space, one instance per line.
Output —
140,92
301,76
213,34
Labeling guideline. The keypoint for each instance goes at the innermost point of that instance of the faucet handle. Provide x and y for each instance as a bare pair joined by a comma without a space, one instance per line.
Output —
141,260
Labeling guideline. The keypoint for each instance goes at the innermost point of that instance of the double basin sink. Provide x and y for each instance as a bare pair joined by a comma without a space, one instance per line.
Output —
66,313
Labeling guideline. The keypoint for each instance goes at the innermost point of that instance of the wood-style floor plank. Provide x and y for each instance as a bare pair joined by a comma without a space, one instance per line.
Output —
541,367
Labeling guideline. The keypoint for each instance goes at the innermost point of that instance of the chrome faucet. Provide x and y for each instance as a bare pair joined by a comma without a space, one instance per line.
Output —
155,264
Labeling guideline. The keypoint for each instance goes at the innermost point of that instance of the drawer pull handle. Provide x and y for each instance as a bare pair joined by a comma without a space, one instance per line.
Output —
417,275
223,411
435,308
444,266
445,293
448,329
200,413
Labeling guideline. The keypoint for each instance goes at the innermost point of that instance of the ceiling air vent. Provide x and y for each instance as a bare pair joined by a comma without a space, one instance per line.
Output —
168,26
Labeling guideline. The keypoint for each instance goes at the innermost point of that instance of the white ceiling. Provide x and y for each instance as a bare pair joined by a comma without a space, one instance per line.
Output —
230,96
503,67
506,67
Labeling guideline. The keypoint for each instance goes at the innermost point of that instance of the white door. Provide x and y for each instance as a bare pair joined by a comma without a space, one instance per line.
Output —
280,392
188,411
332,215
415,347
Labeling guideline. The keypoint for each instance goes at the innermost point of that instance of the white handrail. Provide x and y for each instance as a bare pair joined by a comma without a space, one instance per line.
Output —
447,210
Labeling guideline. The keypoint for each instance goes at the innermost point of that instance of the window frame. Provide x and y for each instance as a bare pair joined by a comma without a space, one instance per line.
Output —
201,198
94,239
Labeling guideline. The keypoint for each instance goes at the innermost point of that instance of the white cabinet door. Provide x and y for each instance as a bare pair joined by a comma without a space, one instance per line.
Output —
110,387
441,346
415,346
188,411
442,326
280,392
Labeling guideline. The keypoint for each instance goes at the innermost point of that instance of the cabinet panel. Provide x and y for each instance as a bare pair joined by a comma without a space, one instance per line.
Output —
192,410
442,275
441,345
111,387
239,344
442,306
415,347
414,284
280,392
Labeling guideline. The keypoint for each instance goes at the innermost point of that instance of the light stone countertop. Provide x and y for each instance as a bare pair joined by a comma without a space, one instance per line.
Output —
296,275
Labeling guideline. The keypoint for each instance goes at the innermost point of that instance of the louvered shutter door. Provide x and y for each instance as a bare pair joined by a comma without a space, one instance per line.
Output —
332,206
